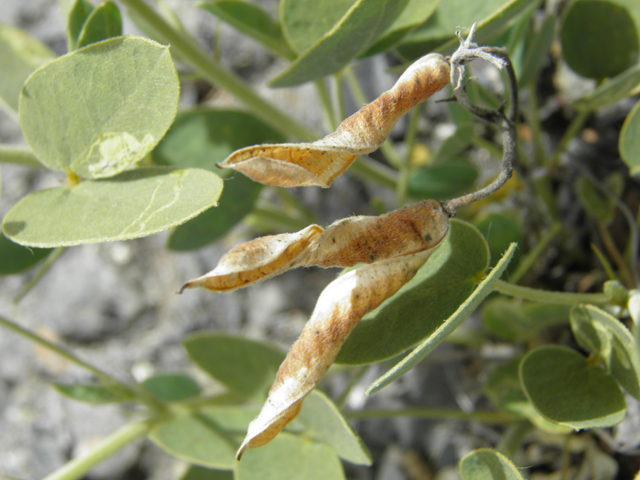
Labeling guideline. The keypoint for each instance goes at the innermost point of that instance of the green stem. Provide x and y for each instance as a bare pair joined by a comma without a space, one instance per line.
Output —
64,353
369,170
19,156
277,218
325,102
216,74
354,87
51,258
78,467
355,379
432,413
611,247
573,129
405,165
527,262
539,152
306,214
339,96
544,296
491,147
513,437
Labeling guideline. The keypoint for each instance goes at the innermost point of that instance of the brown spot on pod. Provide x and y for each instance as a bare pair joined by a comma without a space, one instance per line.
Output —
340,307
344,243
320,162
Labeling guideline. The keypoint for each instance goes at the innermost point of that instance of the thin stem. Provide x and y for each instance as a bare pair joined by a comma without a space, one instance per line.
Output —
527,262
355,379
539,152
433,413
573,129
611,247
544,296
339,97
325,102
605,263
513,438
216,74
64,353
78,467
44,268
405,165
369,170
274,216
493,149
354,87
19,156
292,201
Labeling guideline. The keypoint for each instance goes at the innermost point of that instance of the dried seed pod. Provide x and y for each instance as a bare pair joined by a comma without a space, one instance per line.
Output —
320,162
340,307
345,243
257,260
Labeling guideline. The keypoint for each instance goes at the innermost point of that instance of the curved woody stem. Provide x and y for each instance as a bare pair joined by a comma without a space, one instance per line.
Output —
506,120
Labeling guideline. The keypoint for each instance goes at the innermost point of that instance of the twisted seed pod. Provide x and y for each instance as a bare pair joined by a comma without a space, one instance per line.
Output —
345,243
340,307
320,162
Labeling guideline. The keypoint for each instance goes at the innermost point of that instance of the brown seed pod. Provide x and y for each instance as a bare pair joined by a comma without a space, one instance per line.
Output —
340,307
345,243
320,162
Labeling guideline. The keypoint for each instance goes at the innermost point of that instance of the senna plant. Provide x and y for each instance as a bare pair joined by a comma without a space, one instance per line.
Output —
105,116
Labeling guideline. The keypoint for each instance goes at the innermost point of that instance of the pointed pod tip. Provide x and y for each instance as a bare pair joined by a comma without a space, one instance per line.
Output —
241,450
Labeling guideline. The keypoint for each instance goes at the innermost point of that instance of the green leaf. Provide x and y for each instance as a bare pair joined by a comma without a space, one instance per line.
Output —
104,22
20,54
78,14
209,437
102,108
438,32
201,138
599,38
454,145
238,198
609,340
253,21
610,90
360,26
516,322
594,202
486,464
15,258
443,181
244,366
440,332
133,204
88,393
414,14
204,136
325,424
629,143
500,231
289,457
305,22
565,388
421,306
172,387
537,51
195,472
504,389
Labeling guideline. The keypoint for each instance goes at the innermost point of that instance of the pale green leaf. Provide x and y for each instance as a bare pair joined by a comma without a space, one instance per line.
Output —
567,389
242,365
209,437
414,14
611,90
441,331
444,180
253,21
196,472
438,33
133,204
172,387
629,143
102,108
323,423
359,28
421,306
290,457
305,22
537,51
104,22
20,54
609,340
500,230
486,464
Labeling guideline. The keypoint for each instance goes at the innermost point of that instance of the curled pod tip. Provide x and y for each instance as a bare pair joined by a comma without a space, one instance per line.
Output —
320,162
